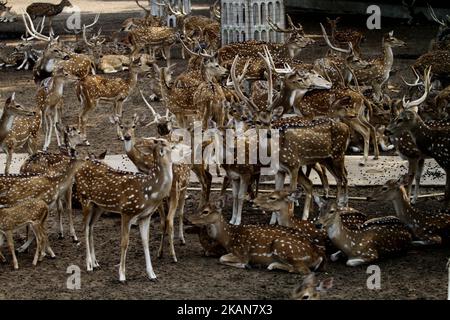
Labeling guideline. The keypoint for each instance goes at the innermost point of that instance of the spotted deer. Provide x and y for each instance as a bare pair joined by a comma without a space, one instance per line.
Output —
18,128
374,239
49,187
427,227
311,288
134,196
33,213
344,36
322,140
430,140
135,150
274,247
48,10
94,88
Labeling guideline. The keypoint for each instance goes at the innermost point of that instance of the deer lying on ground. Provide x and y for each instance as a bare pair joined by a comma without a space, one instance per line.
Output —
134,196
33,213
311,288
374,239
135,150
427,227
271,246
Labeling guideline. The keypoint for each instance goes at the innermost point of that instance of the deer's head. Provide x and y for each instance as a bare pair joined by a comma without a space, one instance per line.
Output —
311,288
210,214
388,191
444,24
276,201
393,41
14,108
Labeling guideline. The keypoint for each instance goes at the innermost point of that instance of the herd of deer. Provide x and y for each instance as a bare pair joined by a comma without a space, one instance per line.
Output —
318,109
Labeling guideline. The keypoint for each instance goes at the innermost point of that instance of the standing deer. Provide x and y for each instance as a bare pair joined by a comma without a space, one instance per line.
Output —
271,246
32,212
47,10
134,196
94,88
427,227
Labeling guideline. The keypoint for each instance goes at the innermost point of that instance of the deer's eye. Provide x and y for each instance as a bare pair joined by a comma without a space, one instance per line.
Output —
134,126
121,127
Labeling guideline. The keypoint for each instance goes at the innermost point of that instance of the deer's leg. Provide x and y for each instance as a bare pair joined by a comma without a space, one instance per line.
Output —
30,238
46,242
162,223
173,203
68,201
118,111
243,187
308,187
87,216
83,118
205,180
235,188
225,184
418,176
279,185
39,254
365,133
234,261
48,127
60,210
144,226
413,165
321,171
9,150
125,238
181,203
56,120
96,214
10,240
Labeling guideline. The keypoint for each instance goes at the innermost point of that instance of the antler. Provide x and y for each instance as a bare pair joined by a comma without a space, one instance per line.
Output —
325,36
267,61
277,28
148,12
299,28
237,88
155,114
287,68
202,53
417,82
433,15
32,31
415,103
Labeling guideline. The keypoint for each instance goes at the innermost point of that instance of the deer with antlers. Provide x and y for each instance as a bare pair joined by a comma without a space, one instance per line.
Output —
441,41
181,173
271,246
95,88
374,239
427,227
345,36
134,196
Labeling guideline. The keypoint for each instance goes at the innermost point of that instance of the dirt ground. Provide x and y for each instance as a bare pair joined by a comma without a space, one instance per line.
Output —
420,274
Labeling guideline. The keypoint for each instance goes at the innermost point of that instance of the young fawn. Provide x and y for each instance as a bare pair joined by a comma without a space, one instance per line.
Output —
271,246
32,213
367,242
427,227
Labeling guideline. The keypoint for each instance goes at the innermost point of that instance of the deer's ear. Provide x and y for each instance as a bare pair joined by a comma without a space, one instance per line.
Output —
102,155
328,20
391,33
310,279
135,118
278,111
325,285
319,201
112,119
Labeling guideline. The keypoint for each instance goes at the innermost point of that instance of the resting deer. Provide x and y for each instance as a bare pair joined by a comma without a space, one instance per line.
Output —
374,239
181,173
345,36
427,227
135,197
271,246
94,88
311,288
32,212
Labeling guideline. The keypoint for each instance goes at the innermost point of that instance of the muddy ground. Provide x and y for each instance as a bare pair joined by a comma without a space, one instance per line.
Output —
420,274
